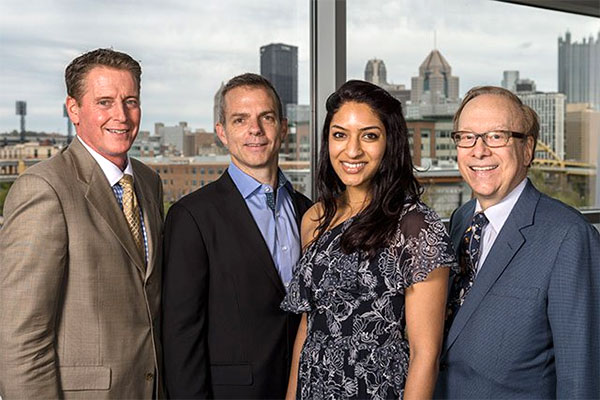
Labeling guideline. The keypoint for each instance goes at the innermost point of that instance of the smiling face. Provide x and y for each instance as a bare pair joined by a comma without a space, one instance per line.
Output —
357,141
107,117
252,130
492,173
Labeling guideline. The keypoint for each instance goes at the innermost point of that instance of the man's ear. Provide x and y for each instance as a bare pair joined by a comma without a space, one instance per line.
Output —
220,130
284,128
529,145
72,110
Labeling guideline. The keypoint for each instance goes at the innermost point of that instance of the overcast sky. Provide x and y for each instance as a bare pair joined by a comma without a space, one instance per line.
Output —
188,48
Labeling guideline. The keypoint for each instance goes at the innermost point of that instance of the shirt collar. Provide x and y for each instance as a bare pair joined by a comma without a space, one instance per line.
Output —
498,213
111,171
247,185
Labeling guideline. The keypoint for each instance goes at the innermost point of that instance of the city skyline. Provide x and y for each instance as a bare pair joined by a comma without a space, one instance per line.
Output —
187,50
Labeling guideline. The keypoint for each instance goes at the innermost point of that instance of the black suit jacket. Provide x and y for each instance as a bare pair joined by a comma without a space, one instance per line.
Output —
224,333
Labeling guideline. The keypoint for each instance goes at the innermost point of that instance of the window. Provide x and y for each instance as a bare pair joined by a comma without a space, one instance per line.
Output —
190,60
186,49
429,60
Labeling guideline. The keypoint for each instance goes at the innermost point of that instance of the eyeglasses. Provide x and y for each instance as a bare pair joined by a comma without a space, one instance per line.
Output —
491,139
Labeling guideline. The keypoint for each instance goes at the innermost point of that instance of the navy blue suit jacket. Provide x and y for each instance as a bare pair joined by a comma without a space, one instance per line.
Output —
529,327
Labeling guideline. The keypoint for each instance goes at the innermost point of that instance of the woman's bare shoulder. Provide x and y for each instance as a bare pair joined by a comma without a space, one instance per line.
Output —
310,222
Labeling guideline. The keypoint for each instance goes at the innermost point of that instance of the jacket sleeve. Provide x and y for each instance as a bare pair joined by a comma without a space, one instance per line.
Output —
574,313
33,250
185,307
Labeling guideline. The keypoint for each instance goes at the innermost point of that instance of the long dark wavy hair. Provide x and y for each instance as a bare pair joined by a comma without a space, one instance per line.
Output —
393,185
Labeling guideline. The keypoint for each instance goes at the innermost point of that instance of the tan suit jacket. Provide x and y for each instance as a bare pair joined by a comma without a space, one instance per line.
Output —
78,308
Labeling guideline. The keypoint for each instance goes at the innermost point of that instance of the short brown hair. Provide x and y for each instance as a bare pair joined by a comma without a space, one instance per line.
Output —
251,80
530,121
77,70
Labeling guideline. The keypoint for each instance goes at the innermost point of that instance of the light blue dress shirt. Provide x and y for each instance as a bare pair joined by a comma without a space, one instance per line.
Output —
278,226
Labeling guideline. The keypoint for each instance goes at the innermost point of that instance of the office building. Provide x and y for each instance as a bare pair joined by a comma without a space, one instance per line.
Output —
583,128
512,82
375,72
279,64
578,71
550,108
172,136
509,80
435,91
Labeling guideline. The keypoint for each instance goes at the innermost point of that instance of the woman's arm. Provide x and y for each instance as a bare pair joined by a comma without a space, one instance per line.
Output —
298,344
425,310
308,233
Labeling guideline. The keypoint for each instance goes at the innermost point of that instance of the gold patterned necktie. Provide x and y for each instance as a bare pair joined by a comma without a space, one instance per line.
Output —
131,209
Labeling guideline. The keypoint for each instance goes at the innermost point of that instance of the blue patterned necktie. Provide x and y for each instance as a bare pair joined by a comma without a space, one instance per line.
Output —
271,200
469,257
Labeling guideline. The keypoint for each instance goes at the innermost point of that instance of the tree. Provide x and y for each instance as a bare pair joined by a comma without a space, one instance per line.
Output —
3,192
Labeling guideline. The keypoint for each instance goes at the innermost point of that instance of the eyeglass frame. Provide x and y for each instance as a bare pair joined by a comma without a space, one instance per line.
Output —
483,135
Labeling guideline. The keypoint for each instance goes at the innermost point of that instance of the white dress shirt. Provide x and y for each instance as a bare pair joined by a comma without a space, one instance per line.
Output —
111,171
497,216
113,175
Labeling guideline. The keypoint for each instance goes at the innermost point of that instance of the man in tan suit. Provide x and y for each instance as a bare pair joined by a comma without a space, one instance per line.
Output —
80,252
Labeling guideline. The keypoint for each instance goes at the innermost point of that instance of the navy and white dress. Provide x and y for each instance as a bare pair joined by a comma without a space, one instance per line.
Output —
356,345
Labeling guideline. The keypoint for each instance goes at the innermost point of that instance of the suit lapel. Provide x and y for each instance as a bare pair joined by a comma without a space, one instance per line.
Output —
145,197
242,217
101,197
459,222
507,244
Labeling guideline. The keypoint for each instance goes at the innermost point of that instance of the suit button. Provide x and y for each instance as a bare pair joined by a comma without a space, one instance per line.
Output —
149,376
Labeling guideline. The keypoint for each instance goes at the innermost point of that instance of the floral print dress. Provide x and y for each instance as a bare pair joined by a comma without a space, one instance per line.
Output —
356,345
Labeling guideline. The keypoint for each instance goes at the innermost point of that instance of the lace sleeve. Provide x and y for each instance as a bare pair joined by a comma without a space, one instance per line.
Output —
425,244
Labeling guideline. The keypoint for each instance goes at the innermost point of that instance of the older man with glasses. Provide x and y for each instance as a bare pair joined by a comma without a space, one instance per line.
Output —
524,313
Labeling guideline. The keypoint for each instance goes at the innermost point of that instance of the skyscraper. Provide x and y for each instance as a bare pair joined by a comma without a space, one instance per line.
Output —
279,64
435,83
435,91
579,70
550,108
375,72
509,80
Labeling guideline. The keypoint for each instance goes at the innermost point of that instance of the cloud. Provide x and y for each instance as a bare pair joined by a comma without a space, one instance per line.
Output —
187,48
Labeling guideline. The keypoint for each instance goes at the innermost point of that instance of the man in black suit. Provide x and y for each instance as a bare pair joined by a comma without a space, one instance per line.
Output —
229,252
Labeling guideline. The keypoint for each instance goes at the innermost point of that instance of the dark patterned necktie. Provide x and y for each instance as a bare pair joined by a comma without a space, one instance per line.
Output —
469,257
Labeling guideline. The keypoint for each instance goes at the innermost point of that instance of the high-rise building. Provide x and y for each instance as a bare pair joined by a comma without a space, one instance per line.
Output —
509,80
550,108
583,125
435,91
524,85
172,136
512,82
579,70
279,64
375,72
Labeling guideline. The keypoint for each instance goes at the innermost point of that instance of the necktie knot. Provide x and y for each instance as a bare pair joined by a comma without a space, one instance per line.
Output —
126,182
480,219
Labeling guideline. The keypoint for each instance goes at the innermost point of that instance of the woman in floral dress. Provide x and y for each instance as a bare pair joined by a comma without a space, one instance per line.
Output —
371,284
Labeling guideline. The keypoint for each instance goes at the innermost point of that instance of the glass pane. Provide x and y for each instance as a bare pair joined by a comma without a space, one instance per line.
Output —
187,49
430,53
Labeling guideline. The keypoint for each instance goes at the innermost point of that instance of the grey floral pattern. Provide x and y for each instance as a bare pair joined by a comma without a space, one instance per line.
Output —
356,345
